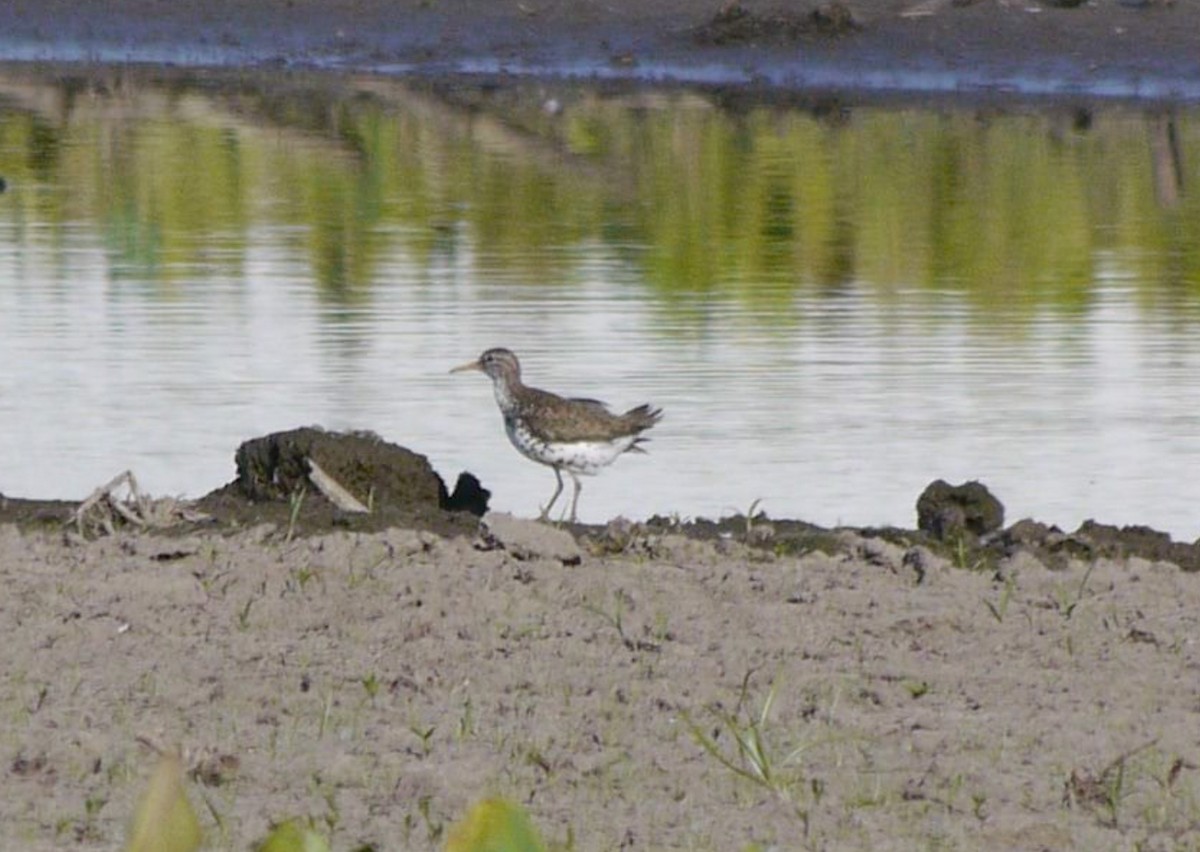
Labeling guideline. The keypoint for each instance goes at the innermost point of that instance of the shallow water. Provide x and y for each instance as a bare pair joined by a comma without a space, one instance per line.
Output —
834,306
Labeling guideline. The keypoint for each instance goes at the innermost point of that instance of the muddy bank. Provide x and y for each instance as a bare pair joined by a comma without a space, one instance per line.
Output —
280,490
1121,48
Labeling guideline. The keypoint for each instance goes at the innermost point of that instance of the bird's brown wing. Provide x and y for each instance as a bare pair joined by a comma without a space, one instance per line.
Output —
556,418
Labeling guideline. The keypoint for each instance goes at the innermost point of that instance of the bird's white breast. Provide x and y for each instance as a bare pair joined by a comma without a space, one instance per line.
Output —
586,457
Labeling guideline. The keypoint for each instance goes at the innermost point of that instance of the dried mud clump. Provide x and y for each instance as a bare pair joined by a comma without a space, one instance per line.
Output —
277,466
735,23
948,511
276,484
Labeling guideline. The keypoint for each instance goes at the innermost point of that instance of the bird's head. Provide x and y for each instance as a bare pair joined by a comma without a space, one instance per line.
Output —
496,363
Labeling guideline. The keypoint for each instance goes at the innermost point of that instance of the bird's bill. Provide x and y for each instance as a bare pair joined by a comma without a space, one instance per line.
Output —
470,365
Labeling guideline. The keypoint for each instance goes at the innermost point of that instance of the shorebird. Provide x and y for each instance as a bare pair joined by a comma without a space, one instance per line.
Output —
579,436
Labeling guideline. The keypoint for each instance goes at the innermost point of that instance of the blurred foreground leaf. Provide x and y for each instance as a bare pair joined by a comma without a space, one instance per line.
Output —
495,825
290,836
164,820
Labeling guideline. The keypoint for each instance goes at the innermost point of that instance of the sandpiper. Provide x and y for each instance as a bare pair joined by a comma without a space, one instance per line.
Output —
575,435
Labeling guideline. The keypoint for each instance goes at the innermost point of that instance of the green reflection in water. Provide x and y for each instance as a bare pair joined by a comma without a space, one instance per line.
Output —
1017,212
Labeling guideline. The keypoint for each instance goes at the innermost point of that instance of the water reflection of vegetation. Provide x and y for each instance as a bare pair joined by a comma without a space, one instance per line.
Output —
1017,212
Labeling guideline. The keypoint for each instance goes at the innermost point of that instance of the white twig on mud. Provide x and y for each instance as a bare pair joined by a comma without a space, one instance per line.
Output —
333,490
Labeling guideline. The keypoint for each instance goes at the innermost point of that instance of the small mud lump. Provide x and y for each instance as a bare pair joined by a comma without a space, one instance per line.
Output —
735,23
945,510
469,496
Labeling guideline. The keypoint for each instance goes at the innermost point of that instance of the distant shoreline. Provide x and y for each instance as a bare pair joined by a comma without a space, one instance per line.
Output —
1142,50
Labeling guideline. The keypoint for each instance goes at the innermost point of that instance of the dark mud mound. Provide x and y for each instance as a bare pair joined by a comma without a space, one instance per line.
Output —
948,511
277,466
736,23
275,484
963,523
1055,548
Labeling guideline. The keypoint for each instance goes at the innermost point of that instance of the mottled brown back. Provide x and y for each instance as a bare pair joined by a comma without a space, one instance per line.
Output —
558,419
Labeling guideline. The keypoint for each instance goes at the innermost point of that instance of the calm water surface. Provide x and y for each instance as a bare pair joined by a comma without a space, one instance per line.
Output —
833,309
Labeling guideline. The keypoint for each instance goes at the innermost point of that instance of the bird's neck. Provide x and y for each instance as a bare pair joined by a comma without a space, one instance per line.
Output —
506,390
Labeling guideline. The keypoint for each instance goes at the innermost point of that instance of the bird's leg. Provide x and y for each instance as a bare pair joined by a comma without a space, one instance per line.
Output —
545,515
575,499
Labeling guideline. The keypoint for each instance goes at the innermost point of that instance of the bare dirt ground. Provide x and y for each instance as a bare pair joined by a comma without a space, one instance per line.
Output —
381,682
747,684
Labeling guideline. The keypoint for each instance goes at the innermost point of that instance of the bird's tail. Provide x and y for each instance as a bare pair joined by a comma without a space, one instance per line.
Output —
642,417
639,420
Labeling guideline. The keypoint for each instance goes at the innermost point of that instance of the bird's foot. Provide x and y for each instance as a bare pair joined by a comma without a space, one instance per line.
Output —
544,517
